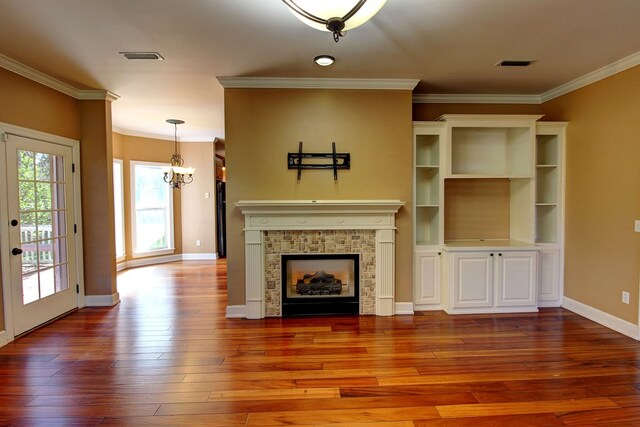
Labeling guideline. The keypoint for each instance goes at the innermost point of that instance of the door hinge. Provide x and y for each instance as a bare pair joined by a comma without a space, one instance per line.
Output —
77,288
75,229
5,137
73,168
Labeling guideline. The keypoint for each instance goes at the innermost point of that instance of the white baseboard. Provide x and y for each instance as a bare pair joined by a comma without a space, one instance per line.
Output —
101,300
236,311
141,262
3,338
404,308
427,307
199,257
605,319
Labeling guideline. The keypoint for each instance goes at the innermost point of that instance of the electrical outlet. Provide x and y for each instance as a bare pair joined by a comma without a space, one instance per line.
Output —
198,244
625,297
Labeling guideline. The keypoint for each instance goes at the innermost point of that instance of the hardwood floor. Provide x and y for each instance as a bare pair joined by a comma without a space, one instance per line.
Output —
166,355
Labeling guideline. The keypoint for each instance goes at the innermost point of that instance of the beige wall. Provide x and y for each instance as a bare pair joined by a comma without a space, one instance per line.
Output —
97,196
198,211
263,125
602,192
128,148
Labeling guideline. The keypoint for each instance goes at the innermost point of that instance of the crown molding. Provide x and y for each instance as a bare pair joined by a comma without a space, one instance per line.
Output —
55,84
149,135
313,83
594,76
475,99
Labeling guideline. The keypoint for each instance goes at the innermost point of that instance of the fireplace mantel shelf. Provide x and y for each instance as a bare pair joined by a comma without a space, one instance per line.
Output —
318,214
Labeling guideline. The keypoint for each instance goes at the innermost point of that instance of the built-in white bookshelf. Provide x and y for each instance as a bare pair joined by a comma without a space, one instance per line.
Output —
427,179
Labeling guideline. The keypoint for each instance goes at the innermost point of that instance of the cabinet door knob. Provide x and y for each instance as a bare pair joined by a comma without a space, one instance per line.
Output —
499,254
439,253
491,254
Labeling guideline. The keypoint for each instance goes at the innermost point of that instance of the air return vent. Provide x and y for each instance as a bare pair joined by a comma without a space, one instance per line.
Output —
143,55
511,63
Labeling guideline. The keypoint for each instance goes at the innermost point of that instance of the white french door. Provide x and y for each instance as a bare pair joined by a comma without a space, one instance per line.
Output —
40,210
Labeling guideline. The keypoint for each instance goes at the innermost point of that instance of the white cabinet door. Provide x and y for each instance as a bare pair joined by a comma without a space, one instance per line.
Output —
549,278
472,280
427,280
516,275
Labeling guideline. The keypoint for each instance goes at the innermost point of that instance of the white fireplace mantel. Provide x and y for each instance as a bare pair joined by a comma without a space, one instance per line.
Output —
265,215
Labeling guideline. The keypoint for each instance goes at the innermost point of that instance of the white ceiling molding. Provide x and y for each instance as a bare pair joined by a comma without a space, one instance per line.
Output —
55,84
475,99
599,74
150,135
311,83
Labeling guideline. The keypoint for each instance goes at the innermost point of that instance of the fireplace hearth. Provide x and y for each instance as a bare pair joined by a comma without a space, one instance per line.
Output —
314,284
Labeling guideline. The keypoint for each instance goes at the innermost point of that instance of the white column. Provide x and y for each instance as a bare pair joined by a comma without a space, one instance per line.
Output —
254,273
385,272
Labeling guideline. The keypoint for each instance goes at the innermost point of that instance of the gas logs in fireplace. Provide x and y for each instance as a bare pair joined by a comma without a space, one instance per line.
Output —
320,284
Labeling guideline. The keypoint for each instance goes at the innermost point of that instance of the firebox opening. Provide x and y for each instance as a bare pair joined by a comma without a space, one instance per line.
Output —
320,284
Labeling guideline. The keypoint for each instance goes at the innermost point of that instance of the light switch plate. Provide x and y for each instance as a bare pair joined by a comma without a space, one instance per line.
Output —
637,226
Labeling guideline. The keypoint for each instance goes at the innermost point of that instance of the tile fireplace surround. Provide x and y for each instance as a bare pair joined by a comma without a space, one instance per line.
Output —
274,227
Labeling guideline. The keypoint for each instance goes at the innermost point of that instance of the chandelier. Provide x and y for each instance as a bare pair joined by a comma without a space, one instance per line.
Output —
334,15
176,175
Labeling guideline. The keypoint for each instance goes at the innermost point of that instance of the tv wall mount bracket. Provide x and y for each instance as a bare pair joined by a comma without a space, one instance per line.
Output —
333,160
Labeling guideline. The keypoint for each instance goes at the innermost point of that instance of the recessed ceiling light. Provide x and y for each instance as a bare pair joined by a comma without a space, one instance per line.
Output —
512,63
143,55
324,60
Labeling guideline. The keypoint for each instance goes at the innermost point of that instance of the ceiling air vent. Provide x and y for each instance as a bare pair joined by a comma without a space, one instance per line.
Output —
509,63
143,55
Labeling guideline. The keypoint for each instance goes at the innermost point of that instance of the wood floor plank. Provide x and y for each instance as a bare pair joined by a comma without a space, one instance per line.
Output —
340,416
276,394
520,408
167,355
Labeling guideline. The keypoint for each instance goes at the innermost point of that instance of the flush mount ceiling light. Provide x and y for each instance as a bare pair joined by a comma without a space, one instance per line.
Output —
324,60
336,16
176,175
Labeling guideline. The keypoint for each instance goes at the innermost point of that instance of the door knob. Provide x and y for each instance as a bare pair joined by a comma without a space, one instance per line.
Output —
14,222
16,251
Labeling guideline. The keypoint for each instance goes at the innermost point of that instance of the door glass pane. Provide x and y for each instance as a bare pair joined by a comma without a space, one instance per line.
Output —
27,190
47,283
29,257
59,223
60,251
45,254
62,277
26,165
45,228
30,288
28,227
43,195
43,166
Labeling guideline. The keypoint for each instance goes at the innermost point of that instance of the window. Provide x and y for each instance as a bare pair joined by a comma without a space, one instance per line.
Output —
118,205
152,210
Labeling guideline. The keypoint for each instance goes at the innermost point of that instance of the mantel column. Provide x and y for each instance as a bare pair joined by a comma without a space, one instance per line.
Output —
385,272
254,273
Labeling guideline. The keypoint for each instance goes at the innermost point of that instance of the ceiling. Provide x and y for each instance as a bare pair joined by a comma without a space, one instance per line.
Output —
451,46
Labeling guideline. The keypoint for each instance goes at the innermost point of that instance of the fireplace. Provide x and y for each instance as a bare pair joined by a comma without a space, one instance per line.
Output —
320,284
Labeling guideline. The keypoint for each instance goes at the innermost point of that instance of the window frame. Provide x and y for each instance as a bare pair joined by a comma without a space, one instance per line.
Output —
170,249
123,256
